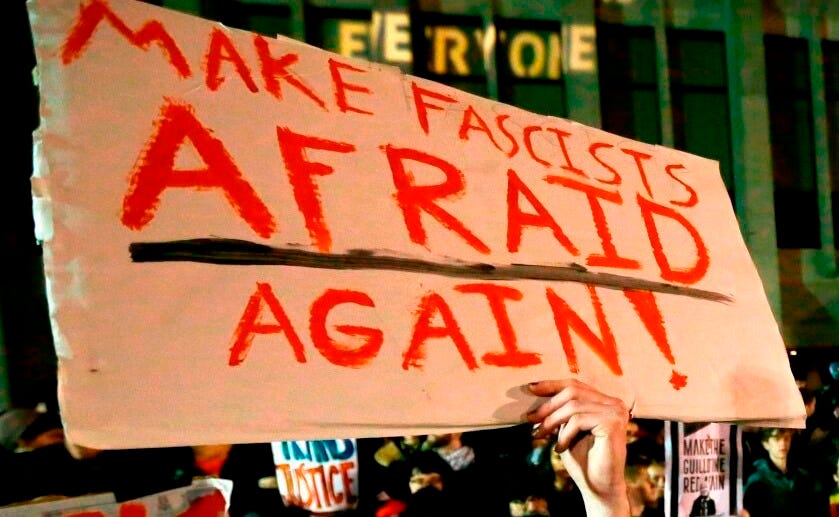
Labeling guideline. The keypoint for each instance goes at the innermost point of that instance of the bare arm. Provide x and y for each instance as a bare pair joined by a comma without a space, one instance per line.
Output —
591,438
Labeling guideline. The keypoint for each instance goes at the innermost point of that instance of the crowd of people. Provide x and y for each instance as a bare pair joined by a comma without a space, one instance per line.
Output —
532,469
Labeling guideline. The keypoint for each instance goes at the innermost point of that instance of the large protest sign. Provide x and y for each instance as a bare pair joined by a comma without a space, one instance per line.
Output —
704,469
318,475
250,239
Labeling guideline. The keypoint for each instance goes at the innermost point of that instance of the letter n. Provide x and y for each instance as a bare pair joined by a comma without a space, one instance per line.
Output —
155,171
566,320
251,324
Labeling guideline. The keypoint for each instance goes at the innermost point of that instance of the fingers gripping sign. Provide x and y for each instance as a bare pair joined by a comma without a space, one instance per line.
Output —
591,439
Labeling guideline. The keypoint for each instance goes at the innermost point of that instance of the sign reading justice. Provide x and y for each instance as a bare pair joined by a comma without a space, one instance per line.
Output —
251,239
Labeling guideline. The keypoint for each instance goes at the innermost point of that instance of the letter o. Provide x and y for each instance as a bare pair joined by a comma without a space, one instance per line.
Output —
520,41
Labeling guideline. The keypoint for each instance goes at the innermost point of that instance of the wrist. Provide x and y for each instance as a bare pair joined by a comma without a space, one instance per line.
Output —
613,503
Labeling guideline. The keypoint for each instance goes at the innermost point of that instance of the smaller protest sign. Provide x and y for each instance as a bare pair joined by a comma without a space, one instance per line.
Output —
318,475
204,497
704,466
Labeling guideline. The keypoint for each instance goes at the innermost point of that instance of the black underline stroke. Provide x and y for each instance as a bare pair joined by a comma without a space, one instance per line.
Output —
246,253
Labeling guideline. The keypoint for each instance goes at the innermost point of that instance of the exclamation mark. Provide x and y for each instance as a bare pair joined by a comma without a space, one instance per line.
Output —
647,309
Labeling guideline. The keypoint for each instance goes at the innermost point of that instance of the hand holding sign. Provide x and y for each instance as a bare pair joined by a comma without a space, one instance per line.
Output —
591,438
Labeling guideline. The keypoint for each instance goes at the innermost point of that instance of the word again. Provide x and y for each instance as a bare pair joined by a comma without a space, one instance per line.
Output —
356,346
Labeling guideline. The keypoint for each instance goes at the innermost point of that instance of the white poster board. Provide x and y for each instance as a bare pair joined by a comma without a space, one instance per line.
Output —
250,239
704,464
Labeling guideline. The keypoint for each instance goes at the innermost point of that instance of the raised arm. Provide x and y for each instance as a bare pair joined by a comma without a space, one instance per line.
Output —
591,439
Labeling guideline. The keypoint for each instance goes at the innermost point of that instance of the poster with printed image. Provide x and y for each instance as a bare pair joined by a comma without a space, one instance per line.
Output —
318,475
704,469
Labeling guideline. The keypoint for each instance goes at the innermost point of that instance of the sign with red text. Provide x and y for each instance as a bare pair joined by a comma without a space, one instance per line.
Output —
318,475
251,239
205,497
704,469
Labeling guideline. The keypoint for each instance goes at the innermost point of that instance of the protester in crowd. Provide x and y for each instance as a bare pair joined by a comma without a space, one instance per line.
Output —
251,469
23,429
826,414
407,458
45,429
390,450
816,426
524,474
430,487
12,423
809,399
813,448
27,473
37,464
657,473
645,486
33,448
66,469
472,472
542,486
383,473
831,388
646,439
834,496
773,489
133,473
451,448
387,493
564,497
